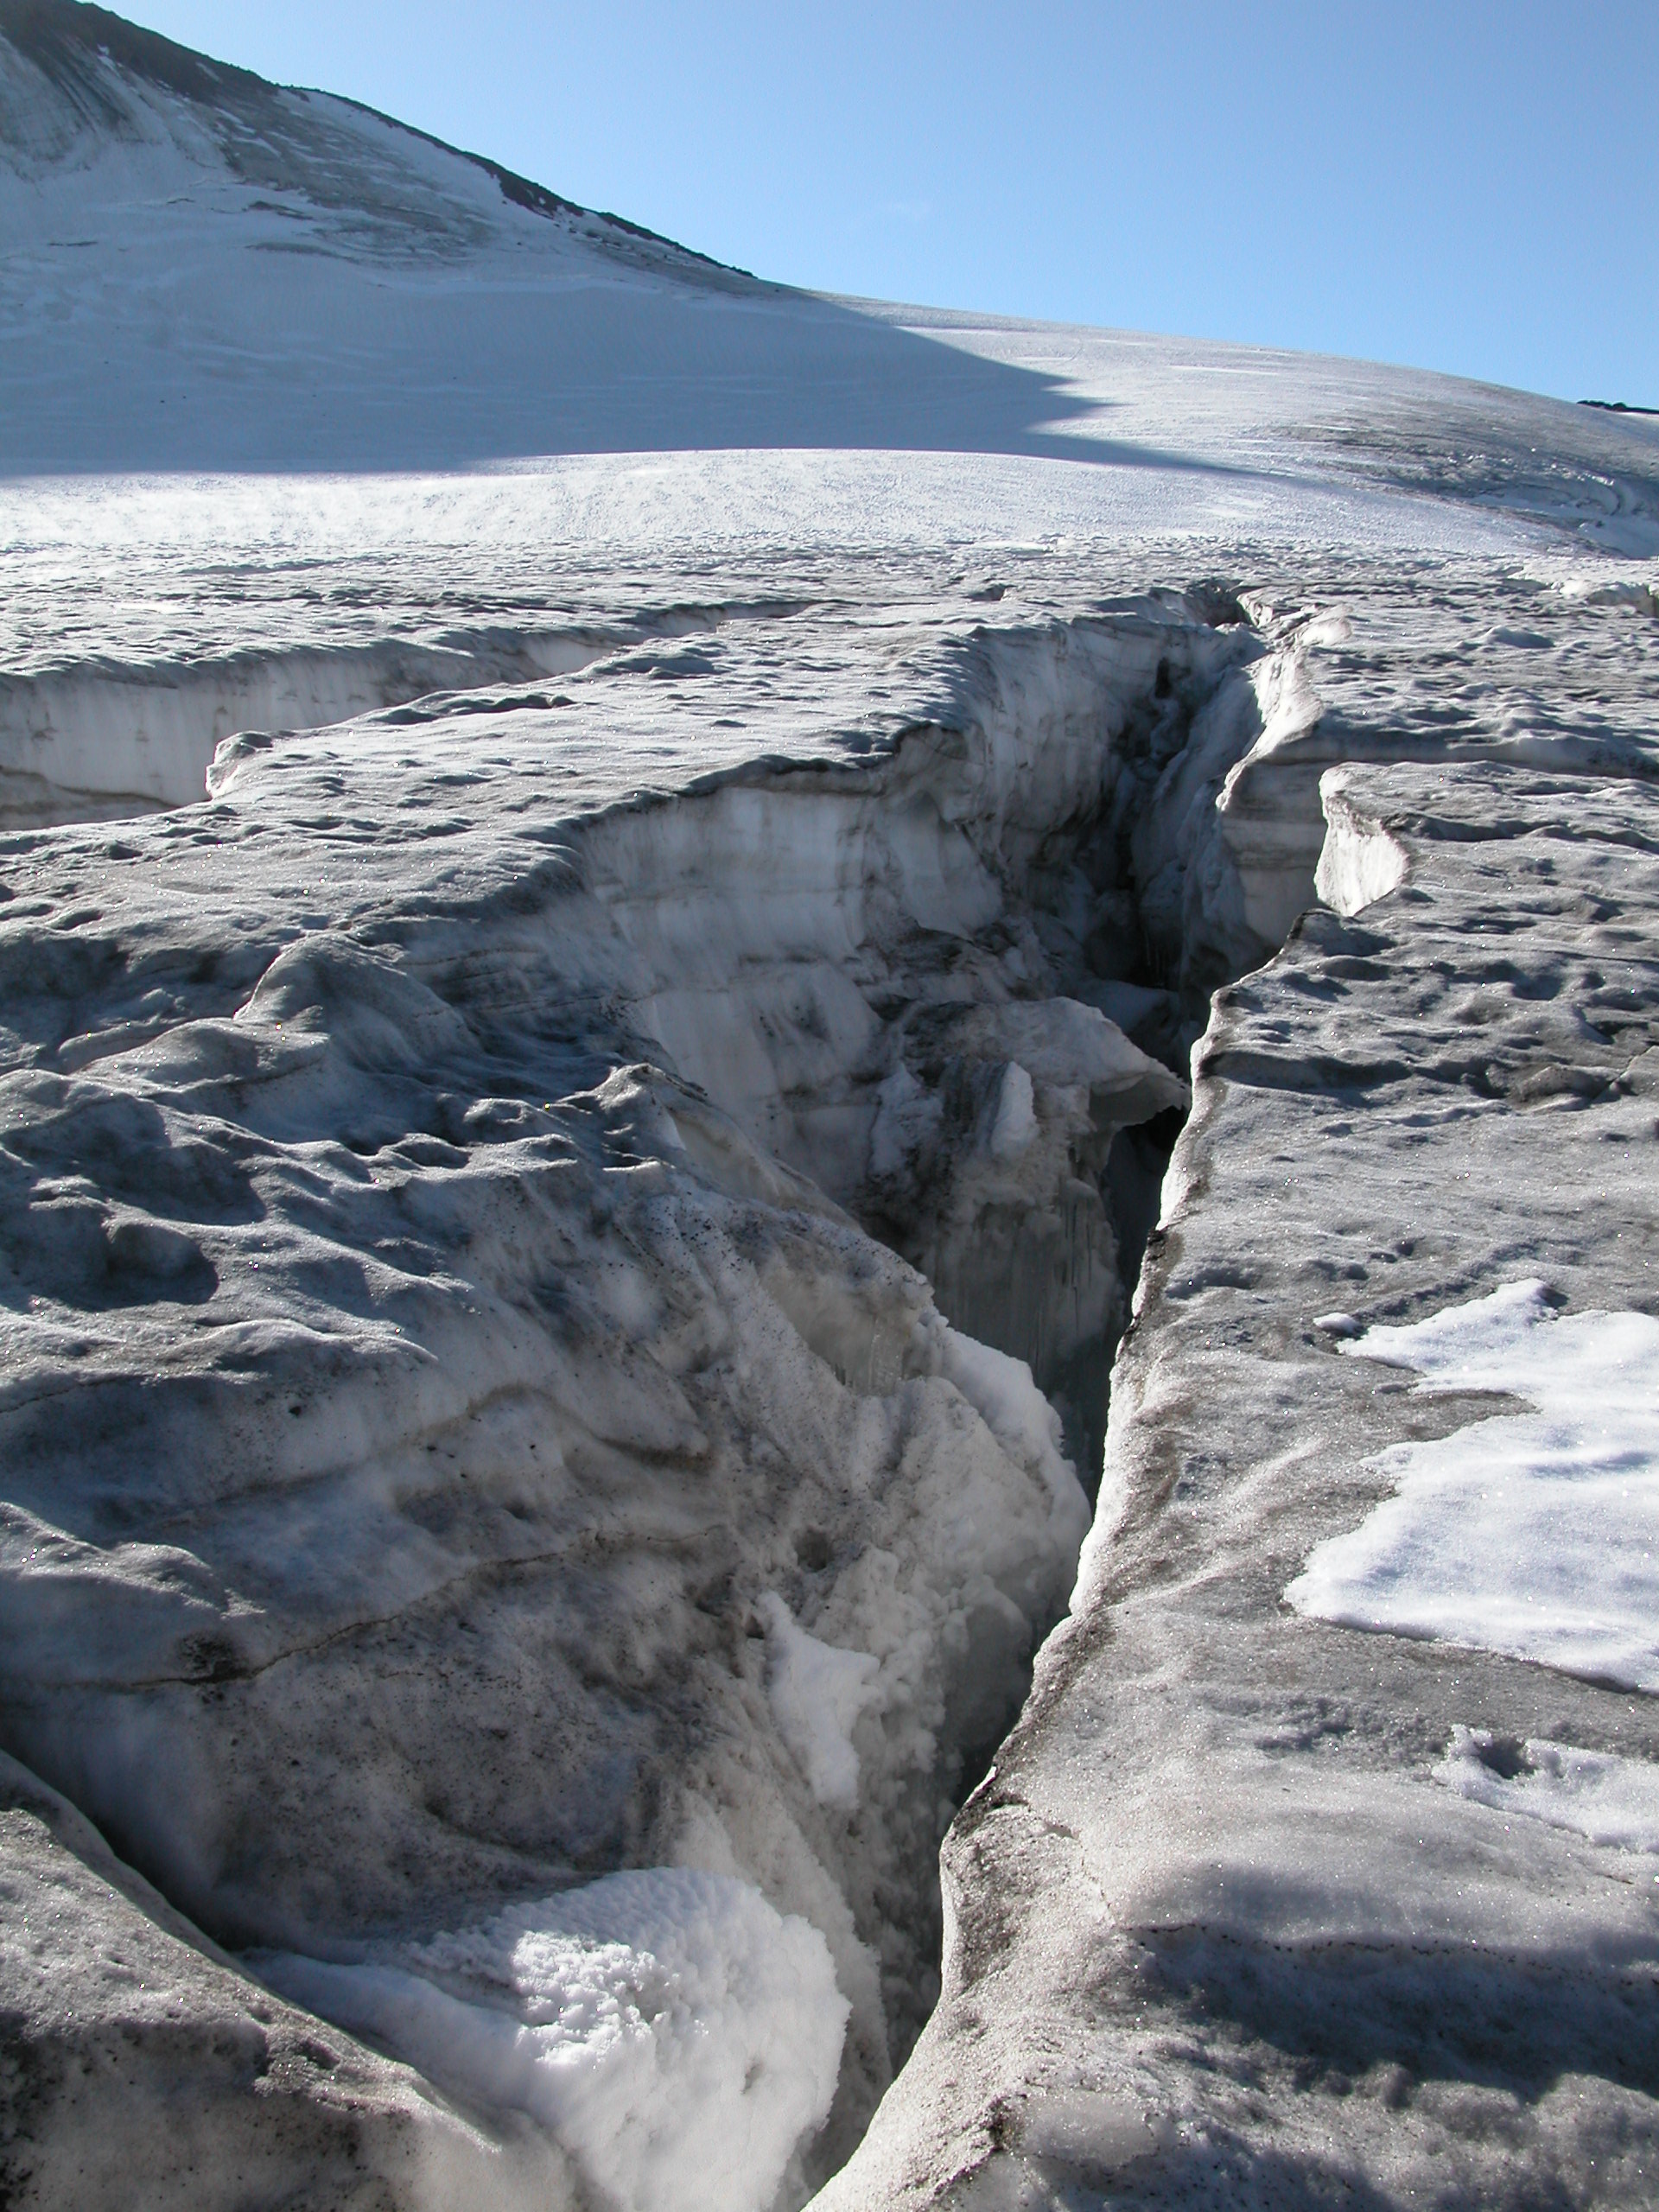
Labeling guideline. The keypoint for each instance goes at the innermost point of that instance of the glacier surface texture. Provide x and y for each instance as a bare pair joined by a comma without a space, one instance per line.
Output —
829,1146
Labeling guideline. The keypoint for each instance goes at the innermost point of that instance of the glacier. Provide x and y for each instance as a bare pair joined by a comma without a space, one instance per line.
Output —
755,1050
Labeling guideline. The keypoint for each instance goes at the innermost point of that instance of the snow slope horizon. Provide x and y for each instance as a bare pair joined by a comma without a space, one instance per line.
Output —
278,248
207,273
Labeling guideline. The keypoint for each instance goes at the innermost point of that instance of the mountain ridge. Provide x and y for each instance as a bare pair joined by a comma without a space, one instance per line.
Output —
66,41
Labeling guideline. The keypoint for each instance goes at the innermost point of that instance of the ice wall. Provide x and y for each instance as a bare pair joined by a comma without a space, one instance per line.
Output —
1253,1907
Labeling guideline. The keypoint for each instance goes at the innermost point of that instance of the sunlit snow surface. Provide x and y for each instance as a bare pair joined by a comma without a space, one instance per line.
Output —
676,2033
1610,1800
1534,1533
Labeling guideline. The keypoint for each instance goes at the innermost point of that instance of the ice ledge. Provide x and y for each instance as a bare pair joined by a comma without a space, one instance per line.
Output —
1217,1924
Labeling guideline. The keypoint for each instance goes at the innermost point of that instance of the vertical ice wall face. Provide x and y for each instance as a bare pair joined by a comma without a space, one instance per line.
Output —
465,1435
957,989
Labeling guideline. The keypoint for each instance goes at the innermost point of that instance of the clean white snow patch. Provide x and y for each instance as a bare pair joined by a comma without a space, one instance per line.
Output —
817,1692
677,2035
1533,1534
1598,1795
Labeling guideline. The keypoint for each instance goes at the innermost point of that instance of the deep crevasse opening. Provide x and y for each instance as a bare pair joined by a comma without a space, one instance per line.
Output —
958,992
741,1171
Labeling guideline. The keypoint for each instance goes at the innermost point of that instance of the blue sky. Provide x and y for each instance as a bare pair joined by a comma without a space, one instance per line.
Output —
1466,187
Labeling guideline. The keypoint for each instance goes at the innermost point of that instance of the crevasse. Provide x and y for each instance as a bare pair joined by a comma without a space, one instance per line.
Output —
532,1310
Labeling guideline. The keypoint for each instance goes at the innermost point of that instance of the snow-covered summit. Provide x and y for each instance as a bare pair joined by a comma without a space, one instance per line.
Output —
81,88
199,270
202,271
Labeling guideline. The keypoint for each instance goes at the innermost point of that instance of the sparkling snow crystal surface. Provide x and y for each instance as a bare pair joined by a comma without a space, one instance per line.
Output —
1534,1533
676,2034
1611,1800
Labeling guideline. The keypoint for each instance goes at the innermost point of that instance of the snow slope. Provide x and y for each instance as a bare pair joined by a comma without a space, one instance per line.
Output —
612,879
204,271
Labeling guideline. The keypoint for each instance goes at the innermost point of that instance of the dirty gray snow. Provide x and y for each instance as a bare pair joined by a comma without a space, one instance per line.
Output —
655,1552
